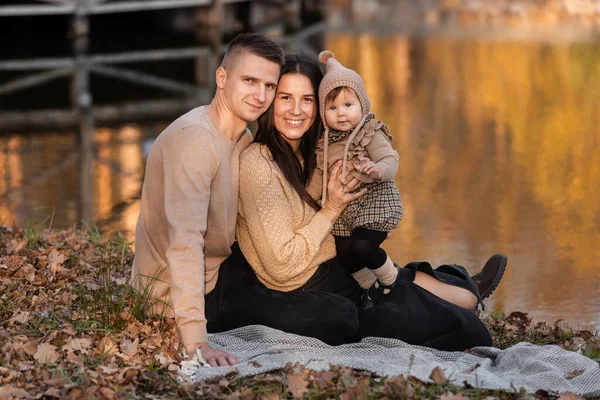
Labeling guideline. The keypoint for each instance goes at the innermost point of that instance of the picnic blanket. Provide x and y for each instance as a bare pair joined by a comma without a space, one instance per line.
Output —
523,365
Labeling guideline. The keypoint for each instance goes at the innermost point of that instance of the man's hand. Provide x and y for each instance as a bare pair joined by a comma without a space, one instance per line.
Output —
371,169
215,358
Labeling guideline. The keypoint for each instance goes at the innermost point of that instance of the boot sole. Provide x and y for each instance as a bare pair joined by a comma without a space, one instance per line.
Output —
497,279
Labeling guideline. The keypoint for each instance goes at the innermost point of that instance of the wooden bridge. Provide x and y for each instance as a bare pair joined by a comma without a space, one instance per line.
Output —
80,65
31,73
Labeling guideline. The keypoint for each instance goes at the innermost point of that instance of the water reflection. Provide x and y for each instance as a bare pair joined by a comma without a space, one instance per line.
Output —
41,176
499,153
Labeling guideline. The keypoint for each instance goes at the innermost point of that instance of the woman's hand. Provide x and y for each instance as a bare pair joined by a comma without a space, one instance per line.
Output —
214,357
338,194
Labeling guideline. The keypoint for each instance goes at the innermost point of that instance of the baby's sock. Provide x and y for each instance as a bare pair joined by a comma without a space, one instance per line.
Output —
365,278
387,273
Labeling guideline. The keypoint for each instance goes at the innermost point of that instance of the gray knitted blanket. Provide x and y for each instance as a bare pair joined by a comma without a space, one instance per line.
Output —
524,365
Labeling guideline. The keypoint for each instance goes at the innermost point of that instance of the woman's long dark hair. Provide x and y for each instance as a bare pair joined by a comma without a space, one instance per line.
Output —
281,151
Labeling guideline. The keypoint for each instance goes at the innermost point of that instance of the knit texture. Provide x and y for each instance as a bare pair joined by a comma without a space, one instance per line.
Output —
187,218
283,239
387,273
365,278
337,75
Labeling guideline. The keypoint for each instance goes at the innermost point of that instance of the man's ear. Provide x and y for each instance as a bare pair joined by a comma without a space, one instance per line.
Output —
221,77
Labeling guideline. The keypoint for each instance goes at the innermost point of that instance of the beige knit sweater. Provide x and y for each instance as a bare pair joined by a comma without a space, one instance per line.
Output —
283,239
187,218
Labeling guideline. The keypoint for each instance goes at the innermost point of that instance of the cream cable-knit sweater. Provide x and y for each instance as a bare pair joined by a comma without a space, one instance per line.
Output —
283,239
187,218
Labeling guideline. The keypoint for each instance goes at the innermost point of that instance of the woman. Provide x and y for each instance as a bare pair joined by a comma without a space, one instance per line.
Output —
285,237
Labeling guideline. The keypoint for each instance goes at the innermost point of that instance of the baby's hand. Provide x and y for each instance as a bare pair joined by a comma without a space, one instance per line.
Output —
371,169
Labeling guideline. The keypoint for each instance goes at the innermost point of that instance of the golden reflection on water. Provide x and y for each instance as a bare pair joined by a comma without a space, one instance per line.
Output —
40,178
499,152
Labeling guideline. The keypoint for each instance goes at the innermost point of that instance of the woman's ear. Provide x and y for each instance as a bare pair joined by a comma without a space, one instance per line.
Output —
221,77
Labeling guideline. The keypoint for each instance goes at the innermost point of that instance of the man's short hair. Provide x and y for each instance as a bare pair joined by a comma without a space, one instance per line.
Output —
256,44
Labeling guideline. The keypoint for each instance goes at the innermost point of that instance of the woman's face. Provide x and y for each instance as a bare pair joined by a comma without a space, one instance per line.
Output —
294,108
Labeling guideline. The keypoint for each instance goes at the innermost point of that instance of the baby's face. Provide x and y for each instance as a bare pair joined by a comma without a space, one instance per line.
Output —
344,112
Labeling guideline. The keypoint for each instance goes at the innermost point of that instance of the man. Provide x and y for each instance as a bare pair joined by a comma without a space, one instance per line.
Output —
190,193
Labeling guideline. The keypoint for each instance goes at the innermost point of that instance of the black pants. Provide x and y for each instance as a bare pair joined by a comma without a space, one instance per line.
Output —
362,249
325,307
416,316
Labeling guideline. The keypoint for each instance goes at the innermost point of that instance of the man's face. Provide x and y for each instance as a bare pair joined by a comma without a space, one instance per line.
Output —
250,85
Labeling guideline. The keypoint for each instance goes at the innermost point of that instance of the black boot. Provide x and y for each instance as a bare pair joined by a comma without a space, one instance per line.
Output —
365,301
378,291
489,277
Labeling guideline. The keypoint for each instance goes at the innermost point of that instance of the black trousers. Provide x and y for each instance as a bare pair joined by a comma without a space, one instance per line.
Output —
417,316
325,307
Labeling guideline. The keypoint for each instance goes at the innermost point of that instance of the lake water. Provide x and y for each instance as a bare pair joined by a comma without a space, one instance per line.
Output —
499,145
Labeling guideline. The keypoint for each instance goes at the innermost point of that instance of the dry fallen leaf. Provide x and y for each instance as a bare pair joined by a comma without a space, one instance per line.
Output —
255,364
272,395
128,374
450,396
109,370
46,354
130,348
19,317
78,344
358,391
56,258
106,346
69,330
25,350
297,383
470,370
163,360
71,357
569,396
573,374
52,392
108,393
14,246
75,394
27,272
9,392
437,375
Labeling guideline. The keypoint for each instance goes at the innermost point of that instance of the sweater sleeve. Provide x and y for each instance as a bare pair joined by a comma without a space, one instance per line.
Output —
284,252
381,152
189,163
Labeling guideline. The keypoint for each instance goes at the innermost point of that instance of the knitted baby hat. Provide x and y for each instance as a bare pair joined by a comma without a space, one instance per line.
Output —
337,75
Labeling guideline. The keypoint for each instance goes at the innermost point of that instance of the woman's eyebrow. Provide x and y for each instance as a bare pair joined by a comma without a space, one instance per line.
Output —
291,94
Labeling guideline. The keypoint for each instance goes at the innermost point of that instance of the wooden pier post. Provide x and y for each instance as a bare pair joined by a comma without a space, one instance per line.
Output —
82,103
292,10
209,27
